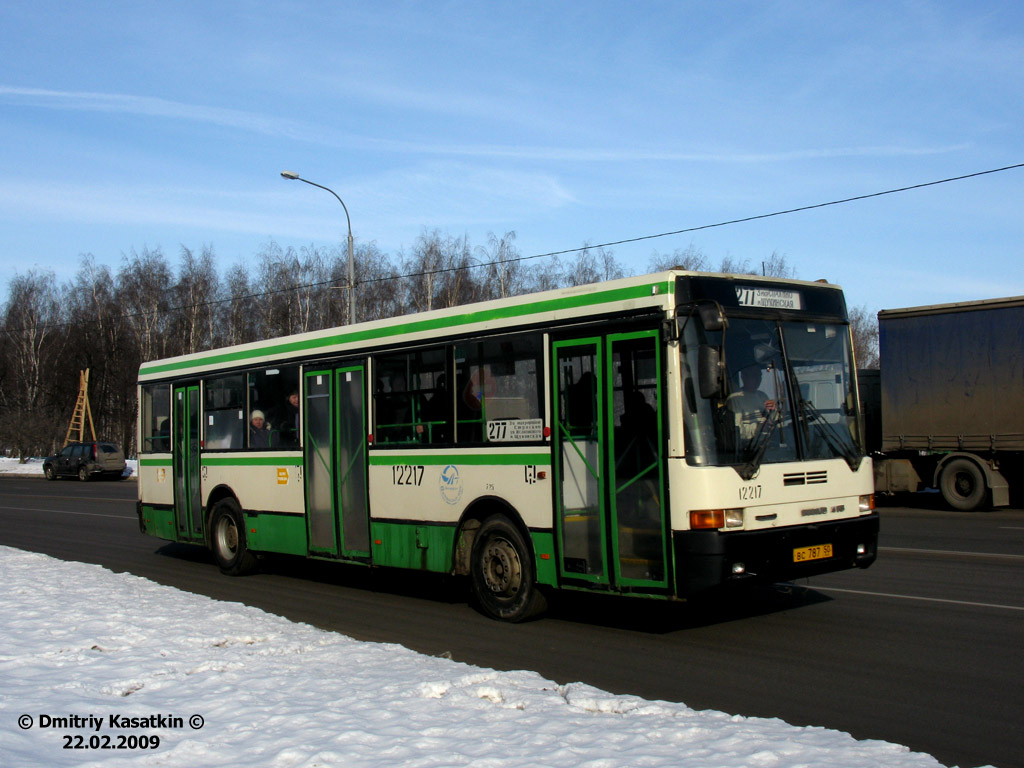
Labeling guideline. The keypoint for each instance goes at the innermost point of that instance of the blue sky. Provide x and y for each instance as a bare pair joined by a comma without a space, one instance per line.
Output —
144,124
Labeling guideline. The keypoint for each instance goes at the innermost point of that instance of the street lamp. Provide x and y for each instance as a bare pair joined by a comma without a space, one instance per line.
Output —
293,176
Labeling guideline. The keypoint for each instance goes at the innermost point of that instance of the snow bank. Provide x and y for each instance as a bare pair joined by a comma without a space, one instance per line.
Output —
223,684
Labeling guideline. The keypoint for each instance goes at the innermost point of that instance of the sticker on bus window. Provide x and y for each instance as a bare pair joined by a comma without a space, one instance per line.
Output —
515,430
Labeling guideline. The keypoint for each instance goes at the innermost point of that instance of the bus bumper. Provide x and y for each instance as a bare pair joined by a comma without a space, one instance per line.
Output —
707,559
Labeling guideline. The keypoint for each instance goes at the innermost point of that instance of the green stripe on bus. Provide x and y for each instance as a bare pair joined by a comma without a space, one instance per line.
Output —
375,332
270,532
476,459
418,546
155,462
544,557
251,461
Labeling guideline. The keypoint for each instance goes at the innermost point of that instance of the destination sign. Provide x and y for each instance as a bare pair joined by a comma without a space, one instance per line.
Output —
767,298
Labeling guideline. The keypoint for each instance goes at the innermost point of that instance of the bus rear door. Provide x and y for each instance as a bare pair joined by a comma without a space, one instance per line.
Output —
188,504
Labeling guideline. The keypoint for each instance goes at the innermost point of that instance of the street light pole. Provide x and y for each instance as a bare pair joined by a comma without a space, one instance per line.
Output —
293,176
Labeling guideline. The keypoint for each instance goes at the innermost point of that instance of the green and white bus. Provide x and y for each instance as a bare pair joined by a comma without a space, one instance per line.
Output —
656,436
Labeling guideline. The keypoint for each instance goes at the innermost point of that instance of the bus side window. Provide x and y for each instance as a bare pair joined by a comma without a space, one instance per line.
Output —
224,401
497,380
412,403
274,392
156,418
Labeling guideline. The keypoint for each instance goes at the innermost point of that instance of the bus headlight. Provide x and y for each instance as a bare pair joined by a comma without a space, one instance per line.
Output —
716,518
867,503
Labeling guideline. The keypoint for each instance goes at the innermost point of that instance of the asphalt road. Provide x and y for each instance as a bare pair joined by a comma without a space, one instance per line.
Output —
923,649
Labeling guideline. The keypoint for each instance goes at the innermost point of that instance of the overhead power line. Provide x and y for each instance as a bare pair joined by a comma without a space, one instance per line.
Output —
792,210
624,241
712,226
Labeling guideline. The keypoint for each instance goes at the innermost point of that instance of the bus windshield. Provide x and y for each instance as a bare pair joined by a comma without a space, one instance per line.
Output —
788,394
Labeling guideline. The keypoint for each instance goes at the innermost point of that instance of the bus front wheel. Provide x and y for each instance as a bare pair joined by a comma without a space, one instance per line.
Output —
502,572
228,539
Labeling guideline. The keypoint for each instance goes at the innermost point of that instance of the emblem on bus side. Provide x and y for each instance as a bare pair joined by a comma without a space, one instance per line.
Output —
451,484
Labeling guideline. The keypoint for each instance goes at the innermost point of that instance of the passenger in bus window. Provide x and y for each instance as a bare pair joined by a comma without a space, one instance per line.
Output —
162,441
287,419
436,411
478,388
259,435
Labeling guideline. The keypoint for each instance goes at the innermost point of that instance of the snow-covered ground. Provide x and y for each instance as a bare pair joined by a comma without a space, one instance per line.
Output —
223,684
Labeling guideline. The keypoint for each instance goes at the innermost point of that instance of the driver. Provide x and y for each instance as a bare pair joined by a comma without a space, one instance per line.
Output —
750,406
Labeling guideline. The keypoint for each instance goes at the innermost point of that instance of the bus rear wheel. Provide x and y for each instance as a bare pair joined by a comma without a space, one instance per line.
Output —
227,539
502,572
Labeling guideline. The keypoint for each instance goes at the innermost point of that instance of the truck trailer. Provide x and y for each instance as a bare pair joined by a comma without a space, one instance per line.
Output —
947,408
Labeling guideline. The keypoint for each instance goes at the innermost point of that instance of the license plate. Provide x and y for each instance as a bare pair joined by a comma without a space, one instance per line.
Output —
819,552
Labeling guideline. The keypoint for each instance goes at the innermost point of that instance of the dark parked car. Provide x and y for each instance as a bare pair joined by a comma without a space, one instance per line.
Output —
85,461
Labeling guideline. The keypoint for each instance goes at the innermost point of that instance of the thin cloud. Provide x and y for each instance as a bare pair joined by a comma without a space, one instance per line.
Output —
150,106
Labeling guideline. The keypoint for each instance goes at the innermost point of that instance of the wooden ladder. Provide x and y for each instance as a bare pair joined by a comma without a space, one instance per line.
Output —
82,410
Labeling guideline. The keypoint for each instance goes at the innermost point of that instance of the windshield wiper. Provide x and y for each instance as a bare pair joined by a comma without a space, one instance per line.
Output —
759,443
841,447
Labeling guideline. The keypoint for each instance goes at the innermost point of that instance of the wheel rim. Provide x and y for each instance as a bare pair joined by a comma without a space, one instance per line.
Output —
963,484
227,536
502,569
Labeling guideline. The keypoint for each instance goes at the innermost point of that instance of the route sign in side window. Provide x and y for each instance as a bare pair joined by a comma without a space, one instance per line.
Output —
498,390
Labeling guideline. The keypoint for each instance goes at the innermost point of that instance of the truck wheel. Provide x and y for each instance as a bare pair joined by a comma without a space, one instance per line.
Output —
963,485
501,569
227,539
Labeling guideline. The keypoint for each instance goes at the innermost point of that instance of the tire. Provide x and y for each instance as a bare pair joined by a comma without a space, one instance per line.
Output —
83,474
50,472
963,485
502,573
227,539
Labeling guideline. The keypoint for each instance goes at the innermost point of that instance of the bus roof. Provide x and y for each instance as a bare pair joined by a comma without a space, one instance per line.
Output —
654,292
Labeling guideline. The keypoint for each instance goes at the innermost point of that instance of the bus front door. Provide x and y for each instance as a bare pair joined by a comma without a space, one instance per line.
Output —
335,462
609,450
188,504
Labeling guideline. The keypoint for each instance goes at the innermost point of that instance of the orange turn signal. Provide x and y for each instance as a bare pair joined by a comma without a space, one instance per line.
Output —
707,518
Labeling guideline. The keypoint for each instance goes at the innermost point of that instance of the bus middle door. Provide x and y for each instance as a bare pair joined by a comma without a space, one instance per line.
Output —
337,515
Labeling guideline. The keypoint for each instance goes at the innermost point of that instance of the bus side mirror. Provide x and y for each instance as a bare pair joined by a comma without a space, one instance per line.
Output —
712,317
709,371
